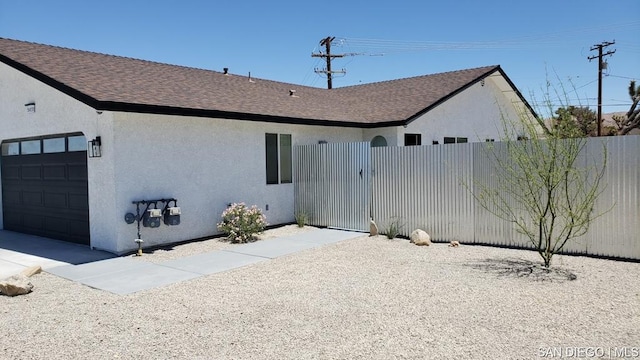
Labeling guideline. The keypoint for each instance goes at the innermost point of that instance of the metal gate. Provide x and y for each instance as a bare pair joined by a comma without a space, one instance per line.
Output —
333,184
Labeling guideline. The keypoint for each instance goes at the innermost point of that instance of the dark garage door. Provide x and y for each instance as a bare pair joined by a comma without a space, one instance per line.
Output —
44,187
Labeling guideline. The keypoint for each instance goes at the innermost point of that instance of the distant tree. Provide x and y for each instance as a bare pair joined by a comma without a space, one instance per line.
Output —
586,120
563,125
630,120
573,121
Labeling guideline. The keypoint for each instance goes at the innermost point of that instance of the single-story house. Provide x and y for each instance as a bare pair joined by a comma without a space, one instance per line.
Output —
84,135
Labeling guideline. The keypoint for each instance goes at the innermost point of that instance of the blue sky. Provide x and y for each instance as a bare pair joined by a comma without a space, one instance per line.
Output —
533,41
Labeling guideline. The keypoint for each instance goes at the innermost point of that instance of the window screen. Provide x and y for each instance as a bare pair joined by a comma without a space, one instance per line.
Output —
285,158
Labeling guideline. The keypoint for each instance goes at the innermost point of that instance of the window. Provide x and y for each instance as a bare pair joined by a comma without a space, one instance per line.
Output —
30,147
12,148
278,158
490,140
77,143
55,145
285,159
455,140
48,144
412,139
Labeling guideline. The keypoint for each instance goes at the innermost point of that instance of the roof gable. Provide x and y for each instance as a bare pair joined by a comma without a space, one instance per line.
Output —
108,82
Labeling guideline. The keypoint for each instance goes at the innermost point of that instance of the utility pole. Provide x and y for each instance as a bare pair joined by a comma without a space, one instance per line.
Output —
599,47
326,42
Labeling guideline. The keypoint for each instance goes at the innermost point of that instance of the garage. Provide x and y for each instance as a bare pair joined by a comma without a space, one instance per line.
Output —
44,187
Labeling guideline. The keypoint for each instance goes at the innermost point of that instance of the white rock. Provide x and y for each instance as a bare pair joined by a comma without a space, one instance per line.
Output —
420,237
15,285
373,228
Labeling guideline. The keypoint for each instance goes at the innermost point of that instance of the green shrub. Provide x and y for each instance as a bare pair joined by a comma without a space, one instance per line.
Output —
301,218
240,223
393,229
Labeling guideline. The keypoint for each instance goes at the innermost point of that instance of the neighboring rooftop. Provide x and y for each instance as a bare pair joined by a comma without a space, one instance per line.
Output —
108,82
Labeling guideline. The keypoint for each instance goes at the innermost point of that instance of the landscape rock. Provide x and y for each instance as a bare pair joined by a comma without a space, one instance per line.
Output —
16,285
32,270
373,228
420,237
454,243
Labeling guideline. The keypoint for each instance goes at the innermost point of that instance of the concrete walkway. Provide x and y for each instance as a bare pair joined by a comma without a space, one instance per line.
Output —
126,275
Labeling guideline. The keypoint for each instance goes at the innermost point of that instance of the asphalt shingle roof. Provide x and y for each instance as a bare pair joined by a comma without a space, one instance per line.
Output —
108,82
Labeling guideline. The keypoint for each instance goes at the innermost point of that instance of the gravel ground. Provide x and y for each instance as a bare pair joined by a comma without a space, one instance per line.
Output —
365,298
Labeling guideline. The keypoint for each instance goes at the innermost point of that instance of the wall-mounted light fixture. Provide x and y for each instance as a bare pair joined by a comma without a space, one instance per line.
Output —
95,147
31,107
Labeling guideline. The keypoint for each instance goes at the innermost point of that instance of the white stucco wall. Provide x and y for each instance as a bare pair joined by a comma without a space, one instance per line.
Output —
475,113
57,113
203,163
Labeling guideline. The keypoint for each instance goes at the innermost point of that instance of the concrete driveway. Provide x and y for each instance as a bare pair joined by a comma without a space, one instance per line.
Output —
19,251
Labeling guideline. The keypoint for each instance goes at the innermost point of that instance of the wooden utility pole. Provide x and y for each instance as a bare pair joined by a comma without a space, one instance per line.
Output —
326,42
599,47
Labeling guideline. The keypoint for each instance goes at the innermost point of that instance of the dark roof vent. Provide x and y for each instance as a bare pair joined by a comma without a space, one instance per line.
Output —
225,71
292,93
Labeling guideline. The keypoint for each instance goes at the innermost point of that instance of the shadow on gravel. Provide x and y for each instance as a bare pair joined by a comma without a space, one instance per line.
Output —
523,269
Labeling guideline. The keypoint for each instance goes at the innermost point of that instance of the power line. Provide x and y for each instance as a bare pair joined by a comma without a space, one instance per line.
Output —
308,79
587,84
558,39
622,77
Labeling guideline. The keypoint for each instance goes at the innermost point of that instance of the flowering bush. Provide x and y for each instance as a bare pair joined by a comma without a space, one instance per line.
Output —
240,222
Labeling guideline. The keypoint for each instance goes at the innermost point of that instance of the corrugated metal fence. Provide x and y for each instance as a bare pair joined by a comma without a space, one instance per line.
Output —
420,187
332,184
427,187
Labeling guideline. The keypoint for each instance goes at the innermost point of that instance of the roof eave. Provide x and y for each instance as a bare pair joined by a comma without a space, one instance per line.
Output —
515,89
217,114
417,115
66,89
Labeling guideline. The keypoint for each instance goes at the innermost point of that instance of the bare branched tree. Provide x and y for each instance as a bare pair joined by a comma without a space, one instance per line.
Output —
546,185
